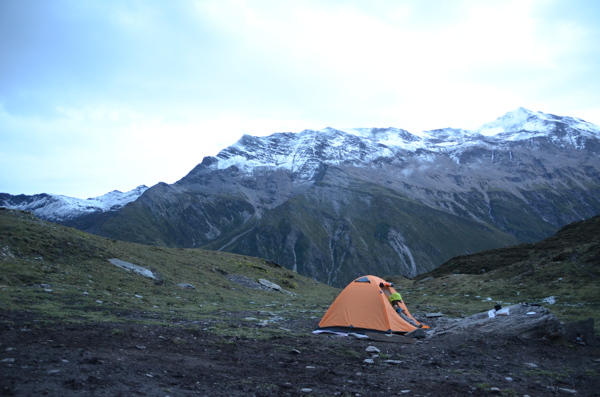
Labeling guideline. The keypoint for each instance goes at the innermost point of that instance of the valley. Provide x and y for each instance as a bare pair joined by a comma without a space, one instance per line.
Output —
73,323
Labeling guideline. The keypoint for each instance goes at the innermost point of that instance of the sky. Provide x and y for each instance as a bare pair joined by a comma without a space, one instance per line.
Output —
103,95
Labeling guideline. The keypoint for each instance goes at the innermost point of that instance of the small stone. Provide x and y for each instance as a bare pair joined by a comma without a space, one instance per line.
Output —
568,391
53,371
372,349
495,390
508,379
8,360
432,315
394,362
369,361
306,390
531,365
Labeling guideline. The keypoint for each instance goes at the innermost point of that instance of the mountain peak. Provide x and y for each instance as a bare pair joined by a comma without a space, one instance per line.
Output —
523,123
520,119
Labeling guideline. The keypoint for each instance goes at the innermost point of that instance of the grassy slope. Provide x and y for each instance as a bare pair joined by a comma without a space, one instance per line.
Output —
565,266
86,287
38,256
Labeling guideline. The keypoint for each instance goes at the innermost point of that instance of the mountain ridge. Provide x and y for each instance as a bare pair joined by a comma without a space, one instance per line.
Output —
334,203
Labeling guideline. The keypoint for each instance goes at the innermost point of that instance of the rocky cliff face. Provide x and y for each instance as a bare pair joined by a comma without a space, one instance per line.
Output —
336,204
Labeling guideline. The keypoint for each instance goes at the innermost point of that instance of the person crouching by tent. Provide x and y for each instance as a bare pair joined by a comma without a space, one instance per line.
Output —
395,299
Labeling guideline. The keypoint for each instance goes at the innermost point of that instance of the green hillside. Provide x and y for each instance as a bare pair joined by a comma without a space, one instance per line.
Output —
564,269
62,274
57,273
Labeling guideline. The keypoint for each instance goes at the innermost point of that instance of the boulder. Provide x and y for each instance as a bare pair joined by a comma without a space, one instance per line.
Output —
134,268
418,333
270,284
524,321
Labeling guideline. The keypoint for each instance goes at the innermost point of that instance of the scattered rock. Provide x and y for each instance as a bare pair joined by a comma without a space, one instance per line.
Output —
372,349
245,281
432,315
567,391
581,332
186,286
517,324
369,361
418,333
270,285
131,267
394,362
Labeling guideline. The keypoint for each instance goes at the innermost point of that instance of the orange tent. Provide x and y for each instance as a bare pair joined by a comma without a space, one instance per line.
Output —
364,306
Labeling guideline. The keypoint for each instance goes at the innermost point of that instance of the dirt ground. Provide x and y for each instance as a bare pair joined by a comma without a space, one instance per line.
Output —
132,359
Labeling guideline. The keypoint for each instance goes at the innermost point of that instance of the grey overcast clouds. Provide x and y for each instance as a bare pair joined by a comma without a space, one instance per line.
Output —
98,95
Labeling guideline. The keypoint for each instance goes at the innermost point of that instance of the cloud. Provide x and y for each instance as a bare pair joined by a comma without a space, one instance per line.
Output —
115,94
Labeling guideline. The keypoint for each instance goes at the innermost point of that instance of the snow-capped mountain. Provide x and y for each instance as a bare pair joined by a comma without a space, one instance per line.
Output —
292,151
61,208
337,203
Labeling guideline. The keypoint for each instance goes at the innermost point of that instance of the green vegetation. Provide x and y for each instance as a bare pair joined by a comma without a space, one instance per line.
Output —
62,274
563,267
556,376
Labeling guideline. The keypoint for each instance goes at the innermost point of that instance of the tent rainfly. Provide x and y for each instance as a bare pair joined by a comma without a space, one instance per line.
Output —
363,306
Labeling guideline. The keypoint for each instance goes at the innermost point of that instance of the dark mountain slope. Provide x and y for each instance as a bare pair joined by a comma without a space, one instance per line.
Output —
577,244
335,204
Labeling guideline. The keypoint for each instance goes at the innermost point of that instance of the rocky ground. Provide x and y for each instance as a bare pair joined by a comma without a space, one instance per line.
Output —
129,359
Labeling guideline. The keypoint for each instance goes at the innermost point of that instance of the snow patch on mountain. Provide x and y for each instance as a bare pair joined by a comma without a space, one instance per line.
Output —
524,124
305,153
58,207
298,151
